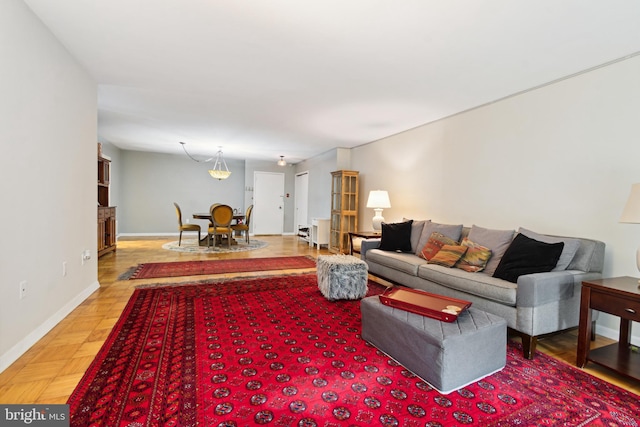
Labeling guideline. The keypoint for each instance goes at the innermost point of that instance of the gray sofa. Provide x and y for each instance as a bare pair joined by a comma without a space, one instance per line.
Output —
537,304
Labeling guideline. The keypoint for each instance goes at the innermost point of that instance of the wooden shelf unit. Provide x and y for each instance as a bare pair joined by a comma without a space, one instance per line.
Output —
106,213
344,209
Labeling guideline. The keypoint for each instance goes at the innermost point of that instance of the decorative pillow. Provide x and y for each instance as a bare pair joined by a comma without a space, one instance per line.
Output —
527,256
396,236
568,253
476,257
451,231
434,244
448,255
496,240
416,232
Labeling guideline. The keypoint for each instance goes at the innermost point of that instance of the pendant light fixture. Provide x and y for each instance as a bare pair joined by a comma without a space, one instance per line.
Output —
217,172
282,161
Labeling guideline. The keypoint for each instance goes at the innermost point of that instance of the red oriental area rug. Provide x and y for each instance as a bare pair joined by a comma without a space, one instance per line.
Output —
154,270
273,351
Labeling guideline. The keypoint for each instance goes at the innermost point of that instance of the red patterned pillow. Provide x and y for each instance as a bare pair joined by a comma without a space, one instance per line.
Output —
449,255
476,257
434,244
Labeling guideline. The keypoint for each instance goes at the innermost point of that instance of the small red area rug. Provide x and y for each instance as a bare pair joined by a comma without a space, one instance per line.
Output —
155,270
273,351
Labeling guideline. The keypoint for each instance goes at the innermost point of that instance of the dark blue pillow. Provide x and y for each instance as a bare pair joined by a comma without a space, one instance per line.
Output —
396,236
527,256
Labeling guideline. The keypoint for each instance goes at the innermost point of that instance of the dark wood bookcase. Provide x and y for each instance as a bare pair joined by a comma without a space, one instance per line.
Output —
106,213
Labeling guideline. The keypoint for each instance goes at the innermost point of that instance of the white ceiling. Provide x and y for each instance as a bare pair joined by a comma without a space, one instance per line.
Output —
298,78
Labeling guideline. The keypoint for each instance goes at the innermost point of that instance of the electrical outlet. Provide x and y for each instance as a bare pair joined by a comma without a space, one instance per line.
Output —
64,268
23,289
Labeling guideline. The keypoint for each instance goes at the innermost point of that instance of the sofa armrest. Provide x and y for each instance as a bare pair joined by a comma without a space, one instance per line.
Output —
542,288
367,244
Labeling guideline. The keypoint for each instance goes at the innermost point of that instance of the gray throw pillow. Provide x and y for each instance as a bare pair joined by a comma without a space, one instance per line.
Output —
568,252
416,232
449,230
496,240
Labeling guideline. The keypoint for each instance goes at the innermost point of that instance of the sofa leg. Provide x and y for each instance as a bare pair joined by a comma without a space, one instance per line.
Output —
528,346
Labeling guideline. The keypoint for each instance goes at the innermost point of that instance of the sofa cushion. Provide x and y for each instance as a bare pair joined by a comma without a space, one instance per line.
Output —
568,252
396,236
496,240
404,262
478,284
434,244
448,255
416,232
476,257
527,256
451,231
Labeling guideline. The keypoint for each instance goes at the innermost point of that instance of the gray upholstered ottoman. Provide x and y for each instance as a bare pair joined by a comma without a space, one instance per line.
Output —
448,356
342,277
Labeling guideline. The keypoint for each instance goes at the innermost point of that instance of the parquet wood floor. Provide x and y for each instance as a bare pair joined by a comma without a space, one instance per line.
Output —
49,371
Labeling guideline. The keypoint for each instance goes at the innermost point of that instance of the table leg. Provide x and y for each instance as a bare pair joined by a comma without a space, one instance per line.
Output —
584,329
625,334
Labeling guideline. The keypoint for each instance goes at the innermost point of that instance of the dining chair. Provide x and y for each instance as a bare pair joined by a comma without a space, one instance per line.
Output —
185,227
244,227
221,217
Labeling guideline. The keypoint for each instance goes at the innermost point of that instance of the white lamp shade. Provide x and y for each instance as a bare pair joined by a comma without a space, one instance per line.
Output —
631,212
378,199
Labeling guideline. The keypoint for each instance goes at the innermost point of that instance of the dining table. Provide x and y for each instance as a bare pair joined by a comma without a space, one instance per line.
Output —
238,218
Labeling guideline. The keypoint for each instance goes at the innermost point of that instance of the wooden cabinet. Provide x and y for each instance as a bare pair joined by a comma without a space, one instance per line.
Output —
344,209
106,213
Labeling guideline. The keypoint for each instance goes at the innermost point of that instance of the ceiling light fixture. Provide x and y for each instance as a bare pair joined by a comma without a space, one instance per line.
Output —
282,161
217,172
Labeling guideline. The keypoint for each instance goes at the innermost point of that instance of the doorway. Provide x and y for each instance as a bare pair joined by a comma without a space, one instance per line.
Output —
301,191
268,203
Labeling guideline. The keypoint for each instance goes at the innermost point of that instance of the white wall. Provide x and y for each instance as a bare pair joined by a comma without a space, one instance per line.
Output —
152,182
558,160
48,172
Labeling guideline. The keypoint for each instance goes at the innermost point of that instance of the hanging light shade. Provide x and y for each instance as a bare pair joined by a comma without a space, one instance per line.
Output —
218,172
282,161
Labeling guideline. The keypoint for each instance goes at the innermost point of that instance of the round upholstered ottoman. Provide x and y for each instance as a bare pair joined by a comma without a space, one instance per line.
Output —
342,277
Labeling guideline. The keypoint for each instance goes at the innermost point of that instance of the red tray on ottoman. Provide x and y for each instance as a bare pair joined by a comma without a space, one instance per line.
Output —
420,302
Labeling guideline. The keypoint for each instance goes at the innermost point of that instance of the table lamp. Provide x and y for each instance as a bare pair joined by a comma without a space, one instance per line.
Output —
378,200
631,213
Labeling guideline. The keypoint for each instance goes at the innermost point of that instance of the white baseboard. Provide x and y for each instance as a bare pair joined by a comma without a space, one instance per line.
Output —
25,344
614,334
147,234
177,234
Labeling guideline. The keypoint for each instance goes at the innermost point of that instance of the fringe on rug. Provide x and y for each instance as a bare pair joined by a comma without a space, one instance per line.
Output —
129,273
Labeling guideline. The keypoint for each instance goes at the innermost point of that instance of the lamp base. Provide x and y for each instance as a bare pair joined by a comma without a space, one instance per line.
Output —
377,220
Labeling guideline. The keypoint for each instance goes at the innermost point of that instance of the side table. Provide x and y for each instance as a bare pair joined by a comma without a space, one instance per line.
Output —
619,296
319,232
362,235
